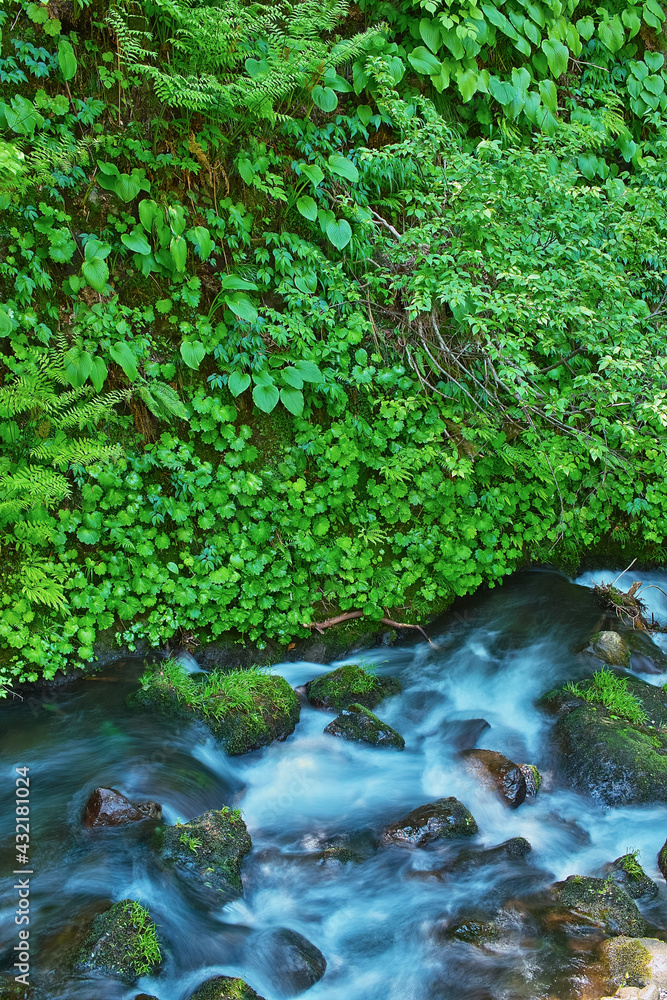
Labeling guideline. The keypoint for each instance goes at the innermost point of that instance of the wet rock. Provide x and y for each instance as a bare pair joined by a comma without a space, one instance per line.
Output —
145,996
472,931
662,860
109,807
533,779
122,942
638,967
469,860
497,771
210,848
610,647
442,819
288,959
336,856
224,988
615,761
360,725
11,990
244,709
349,685
602,901
627,873
463,733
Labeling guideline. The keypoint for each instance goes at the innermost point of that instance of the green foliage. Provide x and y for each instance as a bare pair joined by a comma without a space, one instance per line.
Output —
146,953
611,690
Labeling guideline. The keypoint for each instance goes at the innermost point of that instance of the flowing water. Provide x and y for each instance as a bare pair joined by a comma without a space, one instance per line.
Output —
379,923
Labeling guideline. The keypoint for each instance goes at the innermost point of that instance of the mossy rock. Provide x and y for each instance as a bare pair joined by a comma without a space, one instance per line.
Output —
610,648
439,820
11,990
360,725
122,942
615,761
627,873
244,709
224,988
210,848
350,685
603,901
472,931
628,962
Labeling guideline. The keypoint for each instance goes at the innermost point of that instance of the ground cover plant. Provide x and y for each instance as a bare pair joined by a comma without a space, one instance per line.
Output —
357,307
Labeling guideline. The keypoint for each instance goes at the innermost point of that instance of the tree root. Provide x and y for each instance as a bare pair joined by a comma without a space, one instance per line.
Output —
349,615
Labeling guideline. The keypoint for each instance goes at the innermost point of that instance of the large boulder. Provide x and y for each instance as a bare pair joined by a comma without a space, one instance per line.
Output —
291,962
627,873
245,709
209,849
349,685
615,760
496,771
442,819
224,988
637,966
601,901
122,942
109,807
360,725
610,647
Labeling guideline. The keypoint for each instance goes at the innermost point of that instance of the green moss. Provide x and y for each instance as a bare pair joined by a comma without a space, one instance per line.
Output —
360,725
225,988
611,690
628,962
210,848
603,901
122,942
245,709
348,685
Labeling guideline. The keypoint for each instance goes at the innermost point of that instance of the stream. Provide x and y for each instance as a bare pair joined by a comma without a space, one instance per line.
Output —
379,923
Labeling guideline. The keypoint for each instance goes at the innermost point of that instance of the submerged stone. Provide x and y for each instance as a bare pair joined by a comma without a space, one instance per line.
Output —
245,709
349,685
122,942
442,819
290,960
603,901
610,647
497,771
360,725
627,873
109,807
224,988
210,848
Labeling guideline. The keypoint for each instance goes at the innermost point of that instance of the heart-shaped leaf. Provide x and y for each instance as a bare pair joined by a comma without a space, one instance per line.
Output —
325,98
549,95
306,283
430,33
292,377
179,252
339,232
365,113
242,307
201,238
232,283
98,373
136,242
502,91
238,382
343,167
6,325
308,371
96,273
292,400
193,353
265,397
654,60
127,187
307,206
423,61
149,213
557,56
312,172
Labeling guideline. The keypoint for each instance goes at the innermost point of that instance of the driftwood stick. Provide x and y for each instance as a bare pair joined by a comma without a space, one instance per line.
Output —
349,615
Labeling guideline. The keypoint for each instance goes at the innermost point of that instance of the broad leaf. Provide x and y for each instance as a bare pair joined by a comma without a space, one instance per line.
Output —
123,355
325,98
238,382
265,397
307,206
343,167
193,353
549,95
96,273
242,307
66,59
365,113
430,33
557,56
502,91
312,172
339,232
308,371
201,237
292,400
98,374
136,242
423,61
292,377
232,283
179,253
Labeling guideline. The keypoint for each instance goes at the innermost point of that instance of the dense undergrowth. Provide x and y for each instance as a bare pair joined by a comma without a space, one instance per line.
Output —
310,307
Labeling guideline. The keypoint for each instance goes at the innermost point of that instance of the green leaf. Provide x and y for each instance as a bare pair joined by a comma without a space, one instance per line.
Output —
339,232
149,213
611,34
136,242
365,113
178,249
201,237
127,187
654,60
242,307
6,325
309,371
312,172
549,95
66,59
654,84
557,56
502,91
325,98
292,400
430,33
193,353
96,273
265,397
292,377
96,248
307,206
232,283
306,283
98,374
631,22
343,167
238,382
467,83
423,61
123,355
655,8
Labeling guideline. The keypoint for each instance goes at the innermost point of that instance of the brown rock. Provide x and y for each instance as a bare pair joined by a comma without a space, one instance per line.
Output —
442,819
495,770
109,807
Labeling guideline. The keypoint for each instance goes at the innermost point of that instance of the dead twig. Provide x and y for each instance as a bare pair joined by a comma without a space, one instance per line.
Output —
349,615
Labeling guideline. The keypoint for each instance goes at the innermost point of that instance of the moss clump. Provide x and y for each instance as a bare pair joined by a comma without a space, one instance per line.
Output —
225,988
210,848
245,709
628,962
122,942
611,690
360,725
603,901
349,685
630,876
